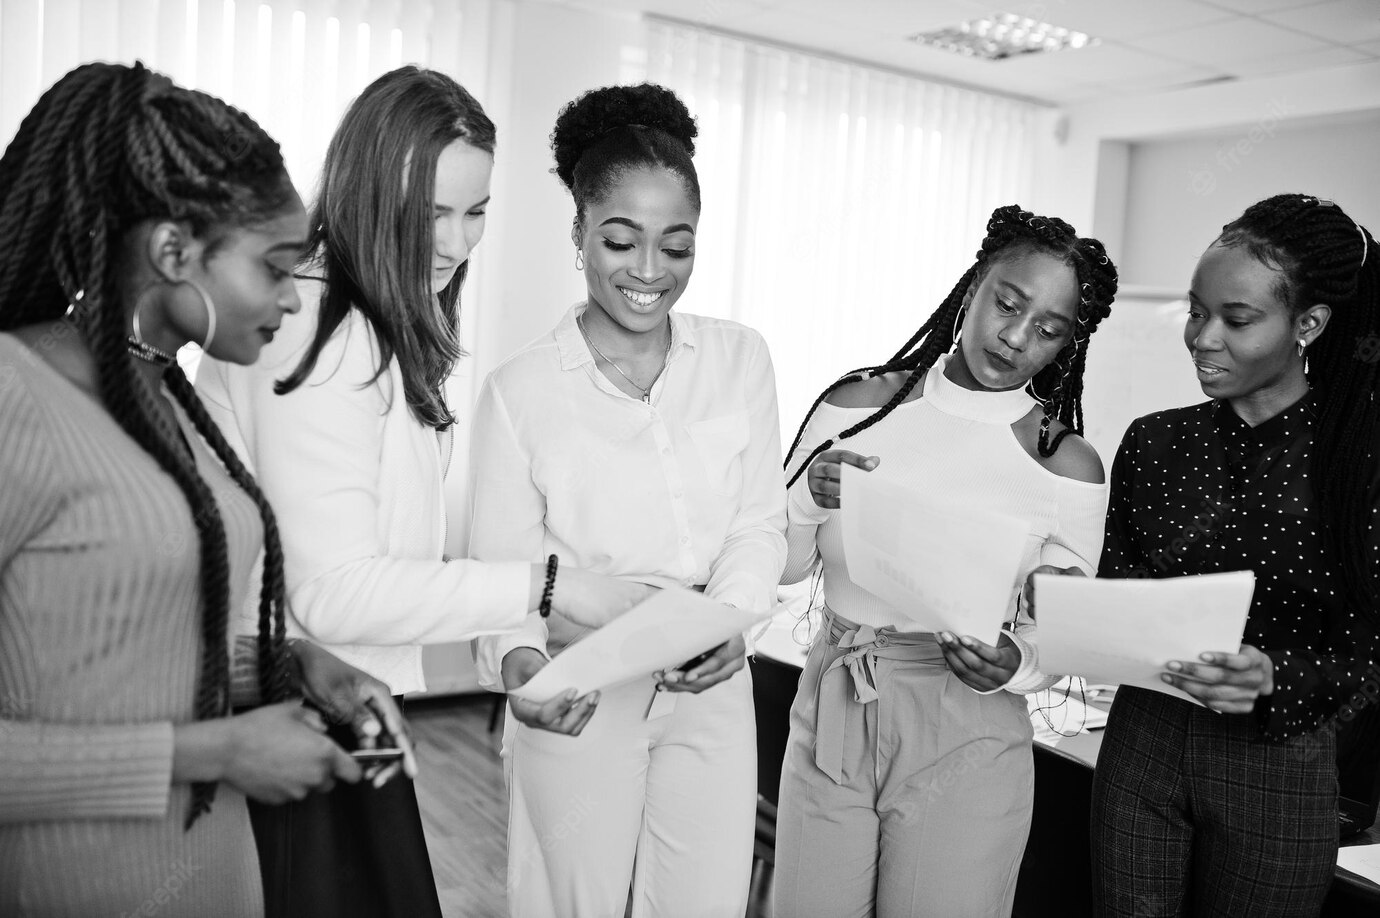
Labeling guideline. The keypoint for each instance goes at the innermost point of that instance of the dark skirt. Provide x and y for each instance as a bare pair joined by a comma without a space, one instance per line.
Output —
356,852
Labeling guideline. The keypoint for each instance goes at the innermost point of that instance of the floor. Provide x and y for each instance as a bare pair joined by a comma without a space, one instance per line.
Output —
465,807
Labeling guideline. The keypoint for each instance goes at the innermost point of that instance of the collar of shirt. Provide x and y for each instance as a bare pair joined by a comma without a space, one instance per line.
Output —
574,349
1243,439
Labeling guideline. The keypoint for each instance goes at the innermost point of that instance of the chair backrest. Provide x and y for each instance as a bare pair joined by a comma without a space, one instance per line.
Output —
773,691
1056,873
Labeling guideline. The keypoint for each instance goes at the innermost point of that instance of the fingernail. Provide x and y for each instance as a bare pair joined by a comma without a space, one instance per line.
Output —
1173,666
1167,678
1205,657
966,641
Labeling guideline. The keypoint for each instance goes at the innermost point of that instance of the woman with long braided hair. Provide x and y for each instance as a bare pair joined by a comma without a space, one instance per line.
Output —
1230,808
907,788
136,216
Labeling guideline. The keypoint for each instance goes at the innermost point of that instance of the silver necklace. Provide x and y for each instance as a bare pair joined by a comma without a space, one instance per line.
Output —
647,390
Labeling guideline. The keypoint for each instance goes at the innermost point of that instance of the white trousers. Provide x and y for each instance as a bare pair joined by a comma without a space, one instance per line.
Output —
656,796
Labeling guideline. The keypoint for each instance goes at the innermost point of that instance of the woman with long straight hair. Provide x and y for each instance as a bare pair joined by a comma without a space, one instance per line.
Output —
137,216
907,785
1229,807
346,424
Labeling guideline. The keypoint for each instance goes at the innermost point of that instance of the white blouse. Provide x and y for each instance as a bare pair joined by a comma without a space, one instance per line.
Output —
685,490
356,484
961,442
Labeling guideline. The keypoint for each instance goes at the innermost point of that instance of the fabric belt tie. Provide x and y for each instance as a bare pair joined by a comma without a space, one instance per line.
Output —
865,645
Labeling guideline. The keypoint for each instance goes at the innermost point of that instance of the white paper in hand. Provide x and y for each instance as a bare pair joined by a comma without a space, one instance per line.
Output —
663,632
943,566
1125,631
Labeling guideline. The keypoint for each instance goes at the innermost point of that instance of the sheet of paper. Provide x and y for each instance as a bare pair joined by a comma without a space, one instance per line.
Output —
1361,859
944,566
668,629
1125,631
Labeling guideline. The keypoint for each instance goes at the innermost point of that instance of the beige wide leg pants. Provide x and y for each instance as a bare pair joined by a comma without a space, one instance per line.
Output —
904,792
657,795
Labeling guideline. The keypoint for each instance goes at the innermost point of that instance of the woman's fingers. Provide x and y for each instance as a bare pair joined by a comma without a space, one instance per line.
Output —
566,713
379,700
825,474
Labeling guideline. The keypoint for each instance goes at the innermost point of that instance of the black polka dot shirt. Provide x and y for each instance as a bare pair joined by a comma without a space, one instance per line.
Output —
1198,490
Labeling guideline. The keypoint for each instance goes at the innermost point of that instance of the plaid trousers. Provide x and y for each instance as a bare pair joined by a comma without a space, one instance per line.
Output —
1191,817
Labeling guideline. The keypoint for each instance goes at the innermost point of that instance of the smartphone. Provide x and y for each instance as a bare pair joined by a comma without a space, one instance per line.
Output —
376,755
696,660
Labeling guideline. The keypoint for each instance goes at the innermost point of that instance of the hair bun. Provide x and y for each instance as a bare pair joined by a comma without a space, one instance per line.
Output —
588,119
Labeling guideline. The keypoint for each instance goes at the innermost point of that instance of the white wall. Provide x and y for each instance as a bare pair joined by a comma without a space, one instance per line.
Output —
1144,175
1180,192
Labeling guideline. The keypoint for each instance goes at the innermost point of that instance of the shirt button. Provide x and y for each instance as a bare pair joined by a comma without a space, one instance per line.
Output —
883,640
685,540
666,451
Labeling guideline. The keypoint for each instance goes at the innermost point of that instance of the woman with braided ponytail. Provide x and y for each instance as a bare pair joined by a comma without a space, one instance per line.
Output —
136,216
909,790
1230,808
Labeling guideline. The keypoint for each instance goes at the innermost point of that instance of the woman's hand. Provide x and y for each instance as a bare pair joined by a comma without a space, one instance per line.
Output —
593,600
566,713
826,473
272,754
722,662
1228,683
348,695
1028,591
980,666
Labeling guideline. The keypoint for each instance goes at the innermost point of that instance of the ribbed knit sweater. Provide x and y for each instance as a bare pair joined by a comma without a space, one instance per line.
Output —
100,615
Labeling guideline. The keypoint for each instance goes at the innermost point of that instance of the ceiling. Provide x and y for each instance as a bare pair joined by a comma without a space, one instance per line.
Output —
1146,45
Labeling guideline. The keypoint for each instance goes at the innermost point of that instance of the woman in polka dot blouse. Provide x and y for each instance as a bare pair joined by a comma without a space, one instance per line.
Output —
1230,809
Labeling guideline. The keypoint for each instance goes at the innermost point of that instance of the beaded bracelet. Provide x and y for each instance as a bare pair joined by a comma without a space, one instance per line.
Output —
545,607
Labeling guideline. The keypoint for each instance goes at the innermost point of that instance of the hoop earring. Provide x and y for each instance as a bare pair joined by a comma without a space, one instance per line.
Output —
144,351
958,321
210,311
579,260
1042,399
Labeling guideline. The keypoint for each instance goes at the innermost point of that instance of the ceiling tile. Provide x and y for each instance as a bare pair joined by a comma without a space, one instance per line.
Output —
1343,21
1255,7
1105,20
1218,45
1293,63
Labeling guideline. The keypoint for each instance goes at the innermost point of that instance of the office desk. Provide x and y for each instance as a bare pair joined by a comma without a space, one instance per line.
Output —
1056,865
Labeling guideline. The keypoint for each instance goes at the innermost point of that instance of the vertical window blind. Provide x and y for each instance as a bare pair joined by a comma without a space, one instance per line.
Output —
841,202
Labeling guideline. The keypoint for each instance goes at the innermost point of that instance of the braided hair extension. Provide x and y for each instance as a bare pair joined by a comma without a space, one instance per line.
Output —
105,148
608,132
1010,231
1324,256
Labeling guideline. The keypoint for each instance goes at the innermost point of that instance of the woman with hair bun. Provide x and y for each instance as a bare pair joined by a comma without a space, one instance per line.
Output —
1230,808
640,442
908,782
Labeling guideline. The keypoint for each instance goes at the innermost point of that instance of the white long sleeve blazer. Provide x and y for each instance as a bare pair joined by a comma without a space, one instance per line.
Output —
356,484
